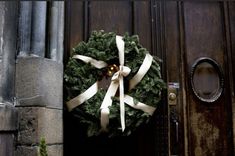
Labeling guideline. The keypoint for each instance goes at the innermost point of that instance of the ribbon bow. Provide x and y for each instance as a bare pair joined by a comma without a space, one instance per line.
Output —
123,72
117,81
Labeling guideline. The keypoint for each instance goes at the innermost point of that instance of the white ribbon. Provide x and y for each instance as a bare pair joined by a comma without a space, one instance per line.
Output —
139,105
93,62
141,72
90,92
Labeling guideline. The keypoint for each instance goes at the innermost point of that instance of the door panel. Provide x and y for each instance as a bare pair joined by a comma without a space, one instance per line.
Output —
203,31
208,122
110,16
142,20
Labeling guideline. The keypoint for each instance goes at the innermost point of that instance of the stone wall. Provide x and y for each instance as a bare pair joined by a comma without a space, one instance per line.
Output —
31,77
39,102
39,80
8,127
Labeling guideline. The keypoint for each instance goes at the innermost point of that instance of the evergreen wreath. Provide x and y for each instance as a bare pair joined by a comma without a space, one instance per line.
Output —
79,76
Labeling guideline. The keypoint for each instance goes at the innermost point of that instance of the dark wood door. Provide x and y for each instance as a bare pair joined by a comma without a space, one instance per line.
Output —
200,125
179,33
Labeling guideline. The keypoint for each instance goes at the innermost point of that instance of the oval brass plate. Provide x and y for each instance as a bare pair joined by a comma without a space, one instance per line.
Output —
207,79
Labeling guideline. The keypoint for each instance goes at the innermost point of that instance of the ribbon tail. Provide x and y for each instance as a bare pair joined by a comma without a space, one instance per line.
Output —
104,119
122,106
124,72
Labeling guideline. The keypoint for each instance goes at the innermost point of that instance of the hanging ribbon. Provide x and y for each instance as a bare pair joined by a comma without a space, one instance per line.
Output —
117,81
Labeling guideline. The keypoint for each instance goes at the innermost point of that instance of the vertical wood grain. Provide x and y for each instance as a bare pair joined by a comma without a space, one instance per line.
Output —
113,16
142,23
204,37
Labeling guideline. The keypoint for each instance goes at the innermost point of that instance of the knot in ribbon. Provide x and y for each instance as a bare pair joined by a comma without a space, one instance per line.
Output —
123,71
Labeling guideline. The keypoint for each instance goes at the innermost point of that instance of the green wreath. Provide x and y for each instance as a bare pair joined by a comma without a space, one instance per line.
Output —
79,76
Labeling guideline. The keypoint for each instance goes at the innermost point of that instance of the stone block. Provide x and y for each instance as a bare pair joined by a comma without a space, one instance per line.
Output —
6,144
55,150
52,150
38,122
8,117
39,82
26,151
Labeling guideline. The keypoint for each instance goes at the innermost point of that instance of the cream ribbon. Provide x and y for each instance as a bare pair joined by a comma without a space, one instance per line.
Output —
117,81
89,93
141,106
141,72
93,62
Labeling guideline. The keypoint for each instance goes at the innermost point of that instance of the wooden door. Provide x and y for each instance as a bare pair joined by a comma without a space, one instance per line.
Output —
180,33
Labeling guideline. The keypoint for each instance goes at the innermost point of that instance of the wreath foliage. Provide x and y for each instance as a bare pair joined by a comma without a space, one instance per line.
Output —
79,76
